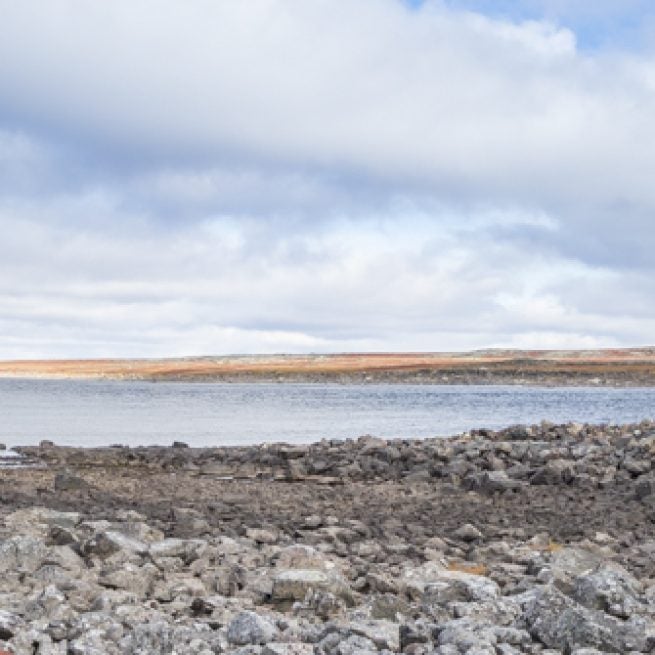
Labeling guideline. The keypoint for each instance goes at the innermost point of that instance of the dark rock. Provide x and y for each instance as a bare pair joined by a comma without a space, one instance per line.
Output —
645,486
414,634
555,472
67,481
9,624
489,482
516,433
468,533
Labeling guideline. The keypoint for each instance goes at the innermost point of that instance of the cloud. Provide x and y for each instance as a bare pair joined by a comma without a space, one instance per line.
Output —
240,286
198,177
615,24
453,102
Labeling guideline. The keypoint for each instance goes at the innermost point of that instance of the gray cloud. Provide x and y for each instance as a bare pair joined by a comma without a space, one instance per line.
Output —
180,178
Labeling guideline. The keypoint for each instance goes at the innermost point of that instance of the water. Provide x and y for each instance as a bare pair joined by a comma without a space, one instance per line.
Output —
95,413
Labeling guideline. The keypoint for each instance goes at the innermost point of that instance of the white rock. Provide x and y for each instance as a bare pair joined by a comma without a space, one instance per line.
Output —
186,549
250,628
279,648
108,543
25,554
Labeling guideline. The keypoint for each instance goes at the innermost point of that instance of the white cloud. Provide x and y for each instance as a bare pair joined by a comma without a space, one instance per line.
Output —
213,176
433,95
365,285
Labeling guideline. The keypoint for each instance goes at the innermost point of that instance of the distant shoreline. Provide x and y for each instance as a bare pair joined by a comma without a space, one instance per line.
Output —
615,367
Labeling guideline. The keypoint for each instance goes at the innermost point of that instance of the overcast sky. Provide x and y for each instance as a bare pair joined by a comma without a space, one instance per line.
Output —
228,176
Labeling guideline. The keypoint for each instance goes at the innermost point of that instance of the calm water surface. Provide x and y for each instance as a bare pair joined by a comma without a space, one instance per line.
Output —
94,413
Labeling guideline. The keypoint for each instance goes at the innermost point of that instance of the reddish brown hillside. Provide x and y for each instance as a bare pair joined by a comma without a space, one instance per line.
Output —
629,366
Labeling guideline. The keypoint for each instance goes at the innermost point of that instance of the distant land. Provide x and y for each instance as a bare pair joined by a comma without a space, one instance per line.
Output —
615,367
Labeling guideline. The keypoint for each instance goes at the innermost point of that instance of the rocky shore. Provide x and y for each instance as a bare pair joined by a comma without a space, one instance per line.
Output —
535,539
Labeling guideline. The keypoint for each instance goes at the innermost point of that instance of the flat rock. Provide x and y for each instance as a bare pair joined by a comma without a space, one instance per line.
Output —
455,586
22,554
67,481
294,584
283,648
108,543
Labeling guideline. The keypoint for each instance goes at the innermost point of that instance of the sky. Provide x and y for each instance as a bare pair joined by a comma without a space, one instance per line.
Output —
218,176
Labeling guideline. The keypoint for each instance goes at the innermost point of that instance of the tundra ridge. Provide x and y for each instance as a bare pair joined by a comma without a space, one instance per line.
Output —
617,367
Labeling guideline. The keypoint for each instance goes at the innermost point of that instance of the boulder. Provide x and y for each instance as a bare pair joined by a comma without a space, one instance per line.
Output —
262,536
560,622
67,481
9,625
454,586
282,648
22,554
489,482
645,486
300,556
39,521
295,583
128,577
108,543
468,533
468,635
569,563
384,634
355,645
250,628
556,471
188,550
609,588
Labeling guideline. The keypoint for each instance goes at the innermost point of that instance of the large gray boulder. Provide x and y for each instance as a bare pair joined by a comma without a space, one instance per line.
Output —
609,588
489,482
129,577
250,628
188,550
569,563
384,634
67,481
22,554
353,645
38,521
467,634
296,583
456,586
554,472
560,622
9,625
110,542
160,637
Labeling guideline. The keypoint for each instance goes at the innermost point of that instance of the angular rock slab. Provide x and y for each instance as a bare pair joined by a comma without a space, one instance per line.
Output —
559,622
